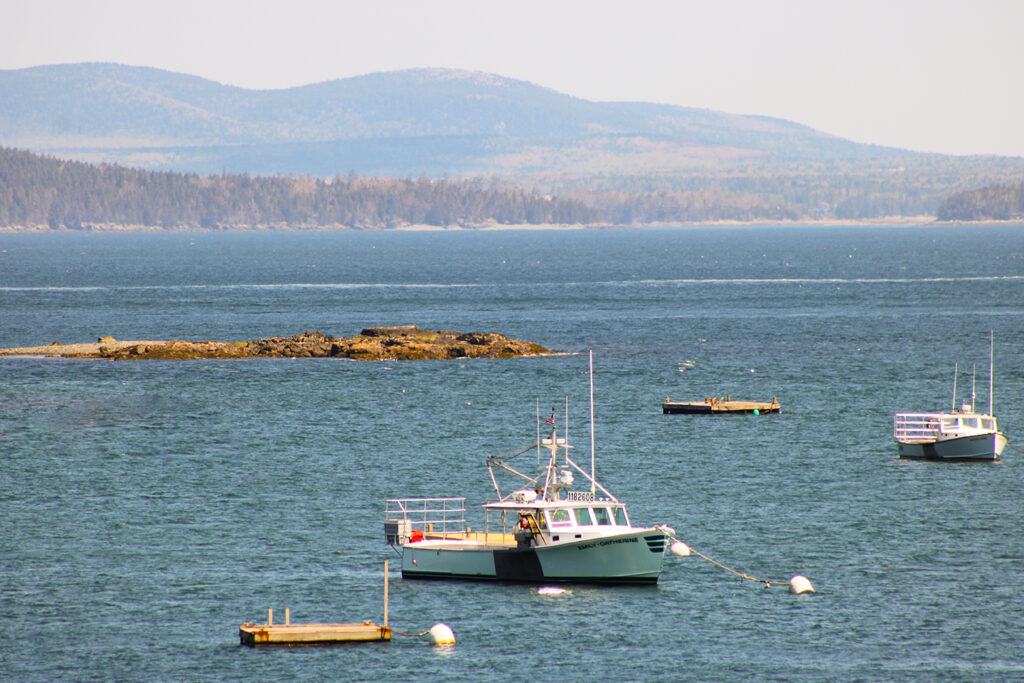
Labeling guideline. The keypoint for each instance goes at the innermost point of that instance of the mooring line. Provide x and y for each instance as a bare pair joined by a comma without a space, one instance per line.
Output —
767,584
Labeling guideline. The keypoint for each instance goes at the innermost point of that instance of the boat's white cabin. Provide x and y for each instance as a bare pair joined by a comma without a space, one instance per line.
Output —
563,520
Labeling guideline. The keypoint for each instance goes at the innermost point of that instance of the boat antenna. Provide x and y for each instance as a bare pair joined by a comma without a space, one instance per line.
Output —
592,473
991,358
953,409
974,397
567,425
538,432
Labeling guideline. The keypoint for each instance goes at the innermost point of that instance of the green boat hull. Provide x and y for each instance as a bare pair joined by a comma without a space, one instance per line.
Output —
632,558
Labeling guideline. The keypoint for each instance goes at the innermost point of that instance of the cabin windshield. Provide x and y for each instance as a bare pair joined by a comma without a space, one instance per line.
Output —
988,423
969,422
612,515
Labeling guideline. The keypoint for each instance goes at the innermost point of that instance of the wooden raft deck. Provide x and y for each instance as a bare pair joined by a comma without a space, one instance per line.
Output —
311,634
290,634
719,406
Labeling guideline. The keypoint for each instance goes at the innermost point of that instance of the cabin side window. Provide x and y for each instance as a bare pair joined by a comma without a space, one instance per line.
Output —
583,517
950,423
620,516
970,422
559,517
602,516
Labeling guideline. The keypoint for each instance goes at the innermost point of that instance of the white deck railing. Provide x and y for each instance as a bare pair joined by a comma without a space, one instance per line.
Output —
405,516
916,427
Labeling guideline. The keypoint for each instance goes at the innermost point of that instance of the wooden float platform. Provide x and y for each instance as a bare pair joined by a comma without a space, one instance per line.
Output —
289,634
255,635
719,406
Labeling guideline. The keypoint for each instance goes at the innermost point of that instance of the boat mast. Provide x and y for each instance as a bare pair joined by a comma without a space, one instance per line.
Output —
591,372
991,358
566,426
974,397
953,409
538,432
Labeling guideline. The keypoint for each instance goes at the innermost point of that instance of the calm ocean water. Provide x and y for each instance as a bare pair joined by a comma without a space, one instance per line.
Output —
150,508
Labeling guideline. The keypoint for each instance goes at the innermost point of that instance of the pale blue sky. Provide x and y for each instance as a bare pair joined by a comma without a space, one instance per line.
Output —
929,75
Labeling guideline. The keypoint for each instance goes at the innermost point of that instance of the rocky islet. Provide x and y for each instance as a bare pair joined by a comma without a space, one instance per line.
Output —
406,342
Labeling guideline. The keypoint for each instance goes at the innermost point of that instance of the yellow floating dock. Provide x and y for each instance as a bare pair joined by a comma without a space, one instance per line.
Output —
719,406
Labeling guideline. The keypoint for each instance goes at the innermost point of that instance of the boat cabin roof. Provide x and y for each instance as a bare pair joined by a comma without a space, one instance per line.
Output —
539,504
965,418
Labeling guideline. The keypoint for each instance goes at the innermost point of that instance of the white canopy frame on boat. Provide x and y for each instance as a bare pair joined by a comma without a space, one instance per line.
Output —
551,486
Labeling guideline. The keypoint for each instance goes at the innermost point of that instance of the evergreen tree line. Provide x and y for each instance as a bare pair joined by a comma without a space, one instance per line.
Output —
681,206
993,202
909,186
39,191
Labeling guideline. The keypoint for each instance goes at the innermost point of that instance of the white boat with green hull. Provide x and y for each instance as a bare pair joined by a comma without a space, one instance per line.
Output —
962,434
543,532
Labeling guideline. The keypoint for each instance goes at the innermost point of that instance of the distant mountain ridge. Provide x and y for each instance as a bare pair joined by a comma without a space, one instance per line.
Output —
488,123
634,162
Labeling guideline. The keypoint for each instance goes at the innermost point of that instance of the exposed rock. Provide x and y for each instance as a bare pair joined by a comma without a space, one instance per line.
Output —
407,342
400,330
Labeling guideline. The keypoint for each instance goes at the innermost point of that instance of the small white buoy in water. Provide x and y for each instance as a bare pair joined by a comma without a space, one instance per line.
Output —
551,590
441,634
679,548
799,584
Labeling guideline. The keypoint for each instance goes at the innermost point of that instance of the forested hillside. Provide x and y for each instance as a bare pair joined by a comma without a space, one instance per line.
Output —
825,191
993,202
38,191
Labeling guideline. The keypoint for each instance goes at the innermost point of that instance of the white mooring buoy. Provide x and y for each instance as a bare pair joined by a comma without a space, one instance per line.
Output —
441,634
679,548
799,585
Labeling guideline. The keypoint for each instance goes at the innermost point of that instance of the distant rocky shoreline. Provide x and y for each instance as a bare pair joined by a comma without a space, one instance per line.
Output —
88,228
407,342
